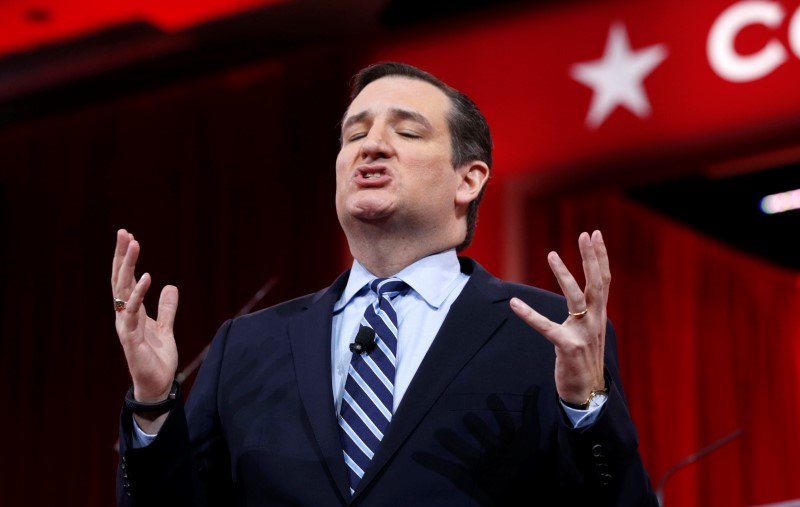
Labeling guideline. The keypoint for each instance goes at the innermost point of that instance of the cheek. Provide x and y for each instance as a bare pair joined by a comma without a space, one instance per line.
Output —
340,166
437,172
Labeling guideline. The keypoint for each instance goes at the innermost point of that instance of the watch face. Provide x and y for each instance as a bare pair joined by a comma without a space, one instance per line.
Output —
598,400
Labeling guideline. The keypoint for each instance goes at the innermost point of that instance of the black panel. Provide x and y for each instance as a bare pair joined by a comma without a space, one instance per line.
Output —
728,209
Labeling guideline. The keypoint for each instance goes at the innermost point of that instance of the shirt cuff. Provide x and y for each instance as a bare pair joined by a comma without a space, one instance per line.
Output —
584,418
140,438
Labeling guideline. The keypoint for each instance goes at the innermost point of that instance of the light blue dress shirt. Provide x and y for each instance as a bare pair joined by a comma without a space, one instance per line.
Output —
436,281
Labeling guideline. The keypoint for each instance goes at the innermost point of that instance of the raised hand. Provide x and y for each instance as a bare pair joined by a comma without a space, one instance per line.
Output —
580,339
149,345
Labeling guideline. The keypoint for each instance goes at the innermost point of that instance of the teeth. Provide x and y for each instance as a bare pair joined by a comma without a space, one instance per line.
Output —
372,175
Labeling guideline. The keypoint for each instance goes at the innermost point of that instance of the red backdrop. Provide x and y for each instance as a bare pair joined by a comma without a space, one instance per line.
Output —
228,181
518,64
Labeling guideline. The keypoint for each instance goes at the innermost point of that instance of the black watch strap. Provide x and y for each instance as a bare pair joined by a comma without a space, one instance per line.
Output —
160,406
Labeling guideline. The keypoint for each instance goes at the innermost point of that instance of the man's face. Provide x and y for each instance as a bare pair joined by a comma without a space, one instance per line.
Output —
394,166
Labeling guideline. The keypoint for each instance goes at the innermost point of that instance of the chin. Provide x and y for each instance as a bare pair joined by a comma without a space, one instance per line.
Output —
369,209
370,215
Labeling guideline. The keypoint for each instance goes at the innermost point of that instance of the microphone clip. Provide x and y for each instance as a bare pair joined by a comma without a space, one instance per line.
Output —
365,341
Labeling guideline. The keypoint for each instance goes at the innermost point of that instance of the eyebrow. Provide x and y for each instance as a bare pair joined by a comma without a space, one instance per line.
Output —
398,113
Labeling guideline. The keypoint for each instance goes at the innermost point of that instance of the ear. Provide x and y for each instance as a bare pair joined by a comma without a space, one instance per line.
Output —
472,178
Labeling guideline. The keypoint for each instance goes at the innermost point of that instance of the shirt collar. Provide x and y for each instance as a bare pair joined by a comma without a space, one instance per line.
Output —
431,277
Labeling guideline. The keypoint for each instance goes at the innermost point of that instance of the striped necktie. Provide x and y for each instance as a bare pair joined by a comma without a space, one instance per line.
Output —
369,390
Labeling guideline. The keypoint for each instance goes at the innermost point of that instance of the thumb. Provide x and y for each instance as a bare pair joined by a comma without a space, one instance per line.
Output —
537,321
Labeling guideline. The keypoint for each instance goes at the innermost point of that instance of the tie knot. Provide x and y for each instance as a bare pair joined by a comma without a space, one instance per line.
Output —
388,286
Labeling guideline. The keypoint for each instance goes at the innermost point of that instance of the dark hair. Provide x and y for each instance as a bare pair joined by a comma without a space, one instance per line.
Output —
469,131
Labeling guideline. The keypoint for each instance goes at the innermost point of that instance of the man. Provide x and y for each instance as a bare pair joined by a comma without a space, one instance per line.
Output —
415,379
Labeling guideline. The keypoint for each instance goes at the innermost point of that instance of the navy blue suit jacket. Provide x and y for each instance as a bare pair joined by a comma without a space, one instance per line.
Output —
480,423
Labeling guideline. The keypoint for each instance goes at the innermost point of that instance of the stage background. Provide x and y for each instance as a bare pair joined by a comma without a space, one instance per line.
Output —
211,136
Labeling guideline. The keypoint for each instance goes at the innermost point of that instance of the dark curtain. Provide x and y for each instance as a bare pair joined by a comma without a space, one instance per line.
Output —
226,180
709,342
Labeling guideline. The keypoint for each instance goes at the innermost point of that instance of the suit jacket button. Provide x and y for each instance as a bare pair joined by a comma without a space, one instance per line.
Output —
597,451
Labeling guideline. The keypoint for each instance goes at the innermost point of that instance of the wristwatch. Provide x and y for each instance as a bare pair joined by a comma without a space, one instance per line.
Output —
595,399
160,406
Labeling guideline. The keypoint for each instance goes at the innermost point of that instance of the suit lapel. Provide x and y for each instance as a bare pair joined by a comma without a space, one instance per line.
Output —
310,338
459,338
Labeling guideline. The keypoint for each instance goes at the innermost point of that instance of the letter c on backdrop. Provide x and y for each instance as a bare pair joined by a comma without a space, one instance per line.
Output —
722,55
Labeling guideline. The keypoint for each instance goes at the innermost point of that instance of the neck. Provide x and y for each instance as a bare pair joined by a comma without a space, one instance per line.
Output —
385,254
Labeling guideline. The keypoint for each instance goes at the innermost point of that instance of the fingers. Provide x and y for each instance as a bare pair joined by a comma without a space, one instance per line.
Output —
595,269
136,297
569,287
168,306
123,239
601,253
591,271
596,272
580,339
130,322
125,279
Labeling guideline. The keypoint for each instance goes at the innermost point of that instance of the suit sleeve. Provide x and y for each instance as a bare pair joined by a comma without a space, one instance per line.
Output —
182,466
603,458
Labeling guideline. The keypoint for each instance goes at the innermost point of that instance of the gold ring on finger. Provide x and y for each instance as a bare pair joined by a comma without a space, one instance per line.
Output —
119,304
579,315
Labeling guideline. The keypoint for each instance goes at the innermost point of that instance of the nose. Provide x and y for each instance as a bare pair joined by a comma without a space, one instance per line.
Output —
376,145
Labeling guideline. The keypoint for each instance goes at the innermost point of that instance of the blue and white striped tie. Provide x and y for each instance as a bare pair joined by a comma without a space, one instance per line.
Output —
369,390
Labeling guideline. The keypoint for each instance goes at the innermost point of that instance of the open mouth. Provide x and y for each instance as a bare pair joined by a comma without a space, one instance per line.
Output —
374,175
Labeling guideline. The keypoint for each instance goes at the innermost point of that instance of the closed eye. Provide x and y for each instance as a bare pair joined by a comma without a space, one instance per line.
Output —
356,136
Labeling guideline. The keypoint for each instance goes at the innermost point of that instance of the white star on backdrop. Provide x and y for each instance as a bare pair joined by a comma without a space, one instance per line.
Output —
617,78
